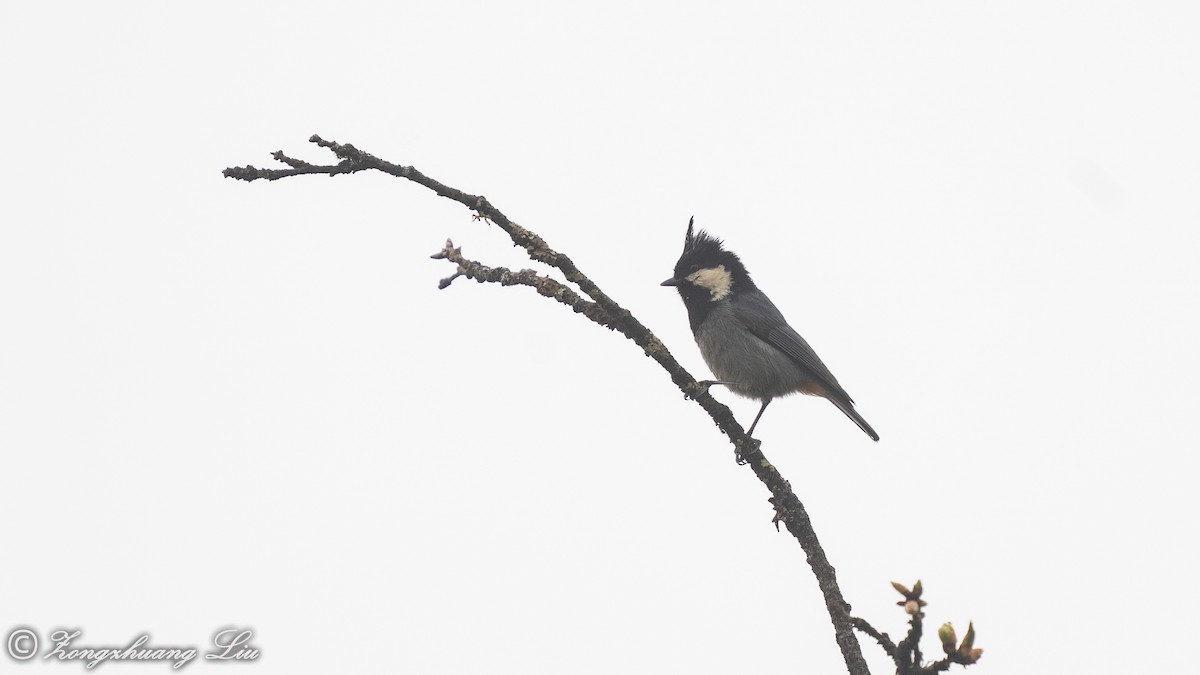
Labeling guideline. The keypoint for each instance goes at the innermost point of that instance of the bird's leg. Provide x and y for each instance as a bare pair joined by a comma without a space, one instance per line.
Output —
708,383
760,412
703,385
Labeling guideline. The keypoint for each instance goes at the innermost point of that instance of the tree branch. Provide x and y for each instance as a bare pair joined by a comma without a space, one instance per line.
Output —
605,311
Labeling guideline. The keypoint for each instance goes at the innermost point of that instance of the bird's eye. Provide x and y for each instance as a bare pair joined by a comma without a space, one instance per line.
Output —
694,268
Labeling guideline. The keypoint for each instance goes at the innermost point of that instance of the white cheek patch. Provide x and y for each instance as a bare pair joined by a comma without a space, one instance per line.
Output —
717,280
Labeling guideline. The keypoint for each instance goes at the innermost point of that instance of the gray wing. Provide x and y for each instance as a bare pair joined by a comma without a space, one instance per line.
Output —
760,316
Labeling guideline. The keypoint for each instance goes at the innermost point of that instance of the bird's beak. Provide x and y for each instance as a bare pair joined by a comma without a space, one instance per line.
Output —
670,282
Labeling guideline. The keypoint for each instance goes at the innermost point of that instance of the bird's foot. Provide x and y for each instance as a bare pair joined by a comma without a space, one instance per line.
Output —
701,387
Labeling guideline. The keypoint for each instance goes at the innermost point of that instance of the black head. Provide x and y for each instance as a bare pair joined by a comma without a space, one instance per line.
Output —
706,269
707,273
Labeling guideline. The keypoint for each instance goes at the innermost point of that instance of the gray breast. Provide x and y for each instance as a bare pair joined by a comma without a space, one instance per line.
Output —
734,354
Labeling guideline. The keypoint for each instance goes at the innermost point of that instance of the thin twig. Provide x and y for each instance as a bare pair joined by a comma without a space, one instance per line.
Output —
884,641
506,277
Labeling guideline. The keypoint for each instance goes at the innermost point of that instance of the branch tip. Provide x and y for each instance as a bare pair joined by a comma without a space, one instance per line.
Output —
444,283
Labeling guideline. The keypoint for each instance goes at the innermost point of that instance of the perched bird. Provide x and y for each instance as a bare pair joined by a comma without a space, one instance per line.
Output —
743,338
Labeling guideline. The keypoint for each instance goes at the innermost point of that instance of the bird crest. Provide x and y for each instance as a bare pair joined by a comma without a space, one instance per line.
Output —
701,250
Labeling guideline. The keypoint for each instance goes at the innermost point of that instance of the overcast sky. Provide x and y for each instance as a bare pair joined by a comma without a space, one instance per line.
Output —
230,404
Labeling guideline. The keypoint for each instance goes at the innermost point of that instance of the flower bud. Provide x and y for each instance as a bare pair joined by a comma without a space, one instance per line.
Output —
948,637
968,639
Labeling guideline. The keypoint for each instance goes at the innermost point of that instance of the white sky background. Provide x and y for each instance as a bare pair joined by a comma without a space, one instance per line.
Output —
248,404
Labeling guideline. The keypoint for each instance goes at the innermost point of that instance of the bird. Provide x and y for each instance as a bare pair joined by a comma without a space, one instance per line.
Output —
743,337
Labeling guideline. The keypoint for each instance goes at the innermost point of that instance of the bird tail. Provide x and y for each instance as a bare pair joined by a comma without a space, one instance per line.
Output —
848,407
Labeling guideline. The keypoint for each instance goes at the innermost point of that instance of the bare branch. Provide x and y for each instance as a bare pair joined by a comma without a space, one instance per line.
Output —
605,311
